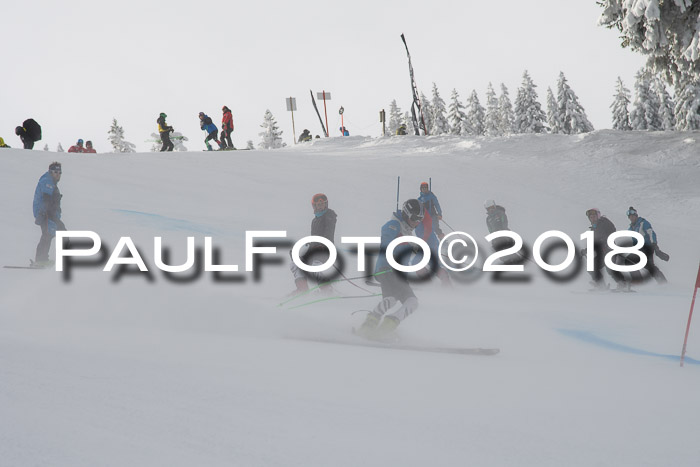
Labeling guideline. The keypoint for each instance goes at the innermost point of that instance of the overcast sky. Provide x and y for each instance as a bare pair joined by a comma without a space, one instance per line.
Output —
74,65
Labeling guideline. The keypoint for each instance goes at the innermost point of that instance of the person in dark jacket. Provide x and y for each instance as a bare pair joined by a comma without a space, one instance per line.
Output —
305,136
29,133
47,211
206,124
602,228
226,129
322,225
164,130
497,220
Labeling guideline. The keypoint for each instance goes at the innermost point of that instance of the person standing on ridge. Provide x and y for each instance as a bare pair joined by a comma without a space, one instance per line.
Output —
78,147
164,131
305,136
89,148
322,225
432,208
47,211
226,129
206,124
602,228
395,286
29,133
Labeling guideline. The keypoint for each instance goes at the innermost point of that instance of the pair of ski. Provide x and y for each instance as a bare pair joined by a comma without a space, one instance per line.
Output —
398,345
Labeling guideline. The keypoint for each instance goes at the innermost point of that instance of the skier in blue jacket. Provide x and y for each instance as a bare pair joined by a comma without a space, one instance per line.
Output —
47,211
395,287
643,227
206,124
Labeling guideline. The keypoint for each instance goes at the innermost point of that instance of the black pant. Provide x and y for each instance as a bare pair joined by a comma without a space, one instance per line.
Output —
213,136
167,144
600,251
226,138
28,143
655,272
42,249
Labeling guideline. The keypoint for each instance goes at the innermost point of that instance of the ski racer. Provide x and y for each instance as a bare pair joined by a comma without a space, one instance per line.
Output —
602,228
643,227
226,129
164,130
207,125
305,136
47,211
322,225
395,286
78,147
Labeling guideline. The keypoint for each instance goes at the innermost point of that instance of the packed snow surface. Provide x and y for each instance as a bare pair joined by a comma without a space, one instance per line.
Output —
141,370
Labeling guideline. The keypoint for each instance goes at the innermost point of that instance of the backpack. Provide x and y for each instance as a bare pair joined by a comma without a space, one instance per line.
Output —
33,129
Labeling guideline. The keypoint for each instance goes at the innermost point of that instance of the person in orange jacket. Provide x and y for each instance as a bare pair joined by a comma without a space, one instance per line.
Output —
226,129
78,147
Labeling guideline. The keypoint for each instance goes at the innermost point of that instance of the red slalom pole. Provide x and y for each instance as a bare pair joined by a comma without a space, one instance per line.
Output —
690,316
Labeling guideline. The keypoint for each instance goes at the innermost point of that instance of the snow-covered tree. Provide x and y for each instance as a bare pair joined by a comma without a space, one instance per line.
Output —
427,108
475,116
492,123
271,134
440,125
571,113
667,31
621,116
688,105
250,145
408,120
645,111
553,113
116,138
667,114
529,117
176,137
506,117
59,148
456,114
395,117
46,147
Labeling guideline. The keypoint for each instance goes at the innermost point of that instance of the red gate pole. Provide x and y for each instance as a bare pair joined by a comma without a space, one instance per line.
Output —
326,112
690,316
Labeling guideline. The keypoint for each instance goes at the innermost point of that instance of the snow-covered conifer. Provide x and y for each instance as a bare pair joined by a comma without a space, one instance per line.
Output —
116,138
552,113
46,147
59,148
529,117
506,117
571,113
427,109
456,114
271,134
645,111
621,117
250,145
667,114
395,117
492,123
475,115
688,105
440,125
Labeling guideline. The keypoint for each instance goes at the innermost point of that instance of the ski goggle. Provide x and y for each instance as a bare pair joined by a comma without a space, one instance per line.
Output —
56,170
319,197
631,212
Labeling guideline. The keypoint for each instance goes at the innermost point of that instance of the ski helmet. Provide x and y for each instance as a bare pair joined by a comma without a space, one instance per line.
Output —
162,114
319,197
632,212
424,184
489,203
412,211
80,141
18,130
593,211
55,166
201,114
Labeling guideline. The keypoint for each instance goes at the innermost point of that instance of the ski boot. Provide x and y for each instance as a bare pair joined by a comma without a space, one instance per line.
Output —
368,328
385,330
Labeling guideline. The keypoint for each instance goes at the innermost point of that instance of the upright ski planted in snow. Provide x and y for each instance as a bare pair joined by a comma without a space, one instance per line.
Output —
318,113
416,109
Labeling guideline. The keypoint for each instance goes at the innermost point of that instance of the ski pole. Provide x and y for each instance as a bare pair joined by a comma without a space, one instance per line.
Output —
398,185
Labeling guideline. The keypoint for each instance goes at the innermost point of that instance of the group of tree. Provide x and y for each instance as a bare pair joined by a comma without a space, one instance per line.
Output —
499,117
668,33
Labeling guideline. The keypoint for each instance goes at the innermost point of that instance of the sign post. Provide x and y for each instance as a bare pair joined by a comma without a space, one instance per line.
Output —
325,96
291,107
382,120
342,121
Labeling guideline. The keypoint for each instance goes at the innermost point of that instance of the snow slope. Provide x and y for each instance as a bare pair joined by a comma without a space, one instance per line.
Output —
98,371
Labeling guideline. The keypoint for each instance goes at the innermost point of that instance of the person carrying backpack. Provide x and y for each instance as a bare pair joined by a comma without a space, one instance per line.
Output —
207,125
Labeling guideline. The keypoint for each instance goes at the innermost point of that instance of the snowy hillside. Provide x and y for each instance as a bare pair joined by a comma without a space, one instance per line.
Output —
106,370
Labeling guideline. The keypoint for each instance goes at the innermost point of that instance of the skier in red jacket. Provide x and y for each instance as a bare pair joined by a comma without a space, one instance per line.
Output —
226,129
